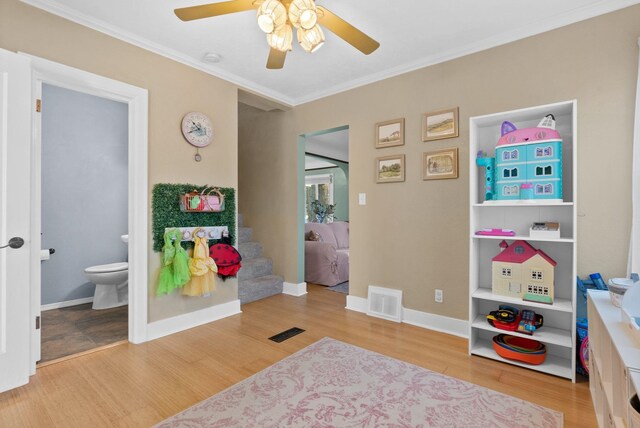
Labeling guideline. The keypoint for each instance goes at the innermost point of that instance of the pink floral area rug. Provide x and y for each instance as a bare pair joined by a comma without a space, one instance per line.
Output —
334,384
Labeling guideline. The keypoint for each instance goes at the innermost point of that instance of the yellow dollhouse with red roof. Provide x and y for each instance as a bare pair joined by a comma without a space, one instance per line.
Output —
520,269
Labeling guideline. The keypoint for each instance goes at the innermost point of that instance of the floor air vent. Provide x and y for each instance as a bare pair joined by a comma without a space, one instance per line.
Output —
287,334
385,303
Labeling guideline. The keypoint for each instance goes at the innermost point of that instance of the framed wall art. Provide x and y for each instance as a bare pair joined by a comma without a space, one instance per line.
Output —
440,164
390,169
440,124
390,133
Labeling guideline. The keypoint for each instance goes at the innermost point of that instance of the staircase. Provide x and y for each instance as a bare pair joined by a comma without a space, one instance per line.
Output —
255,279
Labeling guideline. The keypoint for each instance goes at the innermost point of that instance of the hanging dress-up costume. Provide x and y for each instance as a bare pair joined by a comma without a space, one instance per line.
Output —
202,267
175,270
227,258
166,283
181,273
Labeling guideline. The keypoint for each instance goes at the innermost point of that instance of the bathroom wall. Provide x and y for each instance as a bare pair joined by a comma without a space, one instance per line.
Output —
84,189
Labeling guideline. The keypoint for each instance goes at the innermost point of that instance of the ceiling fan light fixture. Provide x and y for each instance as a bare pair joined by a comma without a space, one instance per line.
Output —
271,15
303,14
311,40
281,38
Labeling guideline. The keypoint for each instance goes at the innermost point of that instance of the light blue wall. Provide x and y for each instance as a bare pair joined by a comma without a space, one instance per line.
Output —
340,188
84,189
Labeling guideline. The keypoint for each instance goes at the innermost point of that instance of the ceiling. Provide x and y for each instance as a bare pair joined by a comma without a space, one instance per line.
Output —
331,145
312,162
412,34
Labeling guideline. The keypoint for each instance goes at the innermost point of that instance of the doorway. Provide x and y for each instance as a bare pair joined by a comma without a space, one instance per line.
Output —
135,101
84,189
324,198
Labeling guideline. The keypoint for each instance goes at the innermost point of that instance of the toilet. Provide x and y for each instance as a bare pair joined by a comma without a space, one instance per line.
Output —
112,284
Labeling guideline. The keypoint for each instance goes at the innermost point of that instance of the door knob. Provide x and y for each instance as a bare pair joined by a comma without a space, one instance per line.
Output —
15,242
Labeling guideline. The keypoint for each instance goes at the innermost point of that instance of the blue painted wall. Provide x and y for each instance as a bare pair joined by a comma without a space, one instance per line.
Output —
84,189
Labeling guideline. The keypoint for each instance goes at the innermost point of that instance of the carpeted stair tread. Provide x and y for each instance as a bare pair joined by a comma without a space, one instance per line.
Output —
250,250
254,268
245,234
253,289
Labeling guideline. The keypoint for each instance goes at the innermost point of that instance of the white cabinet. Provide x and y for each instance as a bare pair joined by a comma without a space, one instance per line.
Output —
614,363
559,330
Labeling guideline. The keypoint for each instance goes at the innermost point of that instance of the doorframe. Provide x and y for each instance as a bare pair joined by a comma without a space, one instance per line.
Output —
49,72
301,208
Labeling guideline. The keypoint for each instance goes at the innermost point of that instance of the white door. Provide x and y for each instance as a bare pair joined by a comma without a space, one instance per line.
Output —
15,141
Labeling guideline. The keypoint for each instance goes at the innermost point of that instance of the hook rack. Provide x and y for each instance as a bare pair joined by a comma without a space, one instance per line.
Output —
211,232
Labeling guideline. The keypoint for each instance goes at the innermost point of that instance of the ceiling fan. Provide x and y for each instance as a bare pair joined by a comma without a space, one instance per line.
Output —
278,18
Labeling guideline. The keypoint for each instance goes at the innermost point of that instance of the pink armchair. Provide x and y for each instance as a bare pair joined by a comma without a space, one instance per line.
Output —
326,261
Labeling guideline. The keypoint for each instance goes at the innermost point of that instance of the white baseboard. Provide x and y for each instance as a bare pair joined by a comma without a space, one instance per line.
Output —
454,326
66,304
426,320
294,289
358,304
179,323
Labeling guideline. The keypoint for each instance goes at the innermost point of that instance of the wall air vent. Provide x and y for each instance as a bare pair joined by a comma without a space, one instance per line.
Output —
385,303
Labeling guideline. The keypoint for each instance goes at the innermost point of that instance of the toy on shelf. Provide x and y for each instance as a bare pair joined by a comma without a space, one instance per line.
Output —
519,348
530,322
521,271
496,232
512,319
545,230
527,166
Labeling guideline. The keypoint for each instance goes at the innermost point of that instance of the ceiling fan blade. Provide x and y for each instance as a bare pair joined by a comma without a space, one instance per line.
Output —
276,59
214,9
346,31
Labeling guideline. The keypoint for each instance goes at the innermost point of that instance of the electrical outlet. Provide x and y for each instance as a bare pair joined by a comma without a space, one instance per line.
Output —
439,295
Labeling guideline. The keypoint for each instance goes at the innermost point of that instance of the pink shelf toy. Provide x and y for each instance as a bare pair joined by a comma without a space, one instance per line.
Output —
496,232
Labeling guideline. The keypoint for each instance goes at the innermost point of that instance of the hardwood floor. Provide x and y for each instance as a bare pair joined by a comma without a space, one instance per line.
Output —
139,385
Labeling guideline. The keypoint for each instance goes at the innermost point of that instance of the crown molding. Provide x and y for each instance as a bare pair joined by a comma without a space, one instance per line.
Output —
55,8
535,28
549,23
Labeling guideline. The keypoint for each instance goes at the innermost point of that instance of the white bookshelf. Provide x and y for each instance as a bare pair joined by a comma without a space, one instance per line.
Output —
559,330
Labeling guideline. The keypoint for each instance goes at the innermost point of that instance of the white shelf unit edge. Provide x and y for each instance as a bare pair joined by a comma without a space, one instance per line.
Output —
558,366
525,238
549,335
553,364
562,305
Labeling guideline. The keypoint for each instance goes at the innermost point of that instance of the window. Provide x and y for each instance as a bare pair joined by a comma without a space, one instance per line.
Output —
544,170
536,275
506,272
544,189
510,190
513,172
543,152
538,289
513,154
519,249
318,187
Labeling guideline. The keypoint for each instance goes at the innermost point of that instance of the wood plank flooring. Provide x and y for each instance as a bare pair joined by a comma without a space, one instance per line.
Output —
140,385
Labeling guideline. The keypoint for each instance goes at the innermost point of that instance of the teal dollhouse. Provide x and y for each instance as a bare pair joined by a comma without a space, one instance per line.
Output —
527,166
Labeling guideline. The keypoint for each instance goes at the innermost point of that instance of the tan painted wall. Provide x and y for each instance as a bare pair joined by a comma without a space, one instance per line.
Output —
266,186
414,235
174,89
